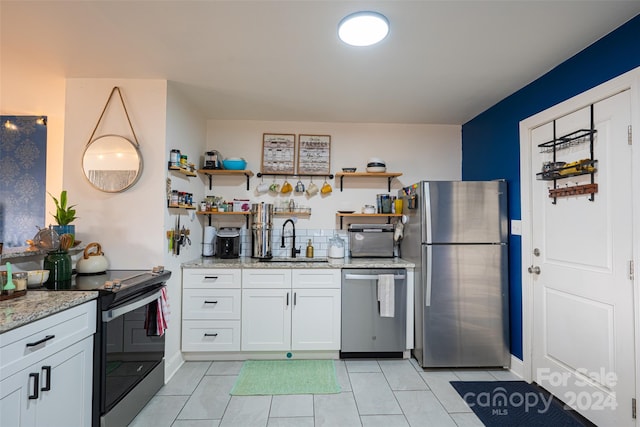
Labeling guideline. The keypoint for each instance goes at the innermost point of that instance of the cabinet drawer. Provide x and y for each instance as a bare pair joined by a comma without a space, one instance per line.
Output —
201,304
316,278
211,278
210,335
31,343
266,278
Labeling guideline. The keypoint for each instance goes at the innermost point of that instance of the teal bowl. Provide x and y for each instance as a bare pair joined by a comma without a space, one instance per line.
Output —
234,164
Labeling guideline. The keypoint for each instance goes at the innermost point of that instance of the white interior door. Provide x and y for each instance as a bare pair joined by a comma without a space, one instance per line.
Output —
583,337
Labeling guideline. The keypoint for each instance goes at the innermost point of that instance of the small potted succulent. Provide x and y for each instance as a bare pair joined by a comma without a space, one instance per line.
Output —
64,215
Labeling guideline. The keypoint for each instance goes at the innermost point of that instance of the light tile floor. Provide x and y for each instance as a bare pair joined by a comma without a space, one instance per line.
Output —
375,393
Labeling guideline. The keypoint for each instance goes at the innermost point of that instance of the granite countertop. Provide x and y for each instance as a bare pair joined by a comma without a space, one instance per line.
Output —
35,305
31,251
244,262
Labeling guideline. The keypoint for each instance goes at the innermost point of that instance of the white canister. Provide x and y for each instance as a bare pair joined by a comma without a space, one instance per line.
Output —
336,247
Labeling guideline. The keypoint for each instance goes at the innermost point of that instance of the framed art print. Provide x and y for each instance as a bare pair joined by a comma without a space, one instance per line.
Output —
278,153
314,154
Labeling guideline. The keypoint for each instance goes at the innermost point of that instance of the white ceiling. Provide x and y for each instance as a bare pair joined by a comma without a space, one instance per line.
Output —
443,62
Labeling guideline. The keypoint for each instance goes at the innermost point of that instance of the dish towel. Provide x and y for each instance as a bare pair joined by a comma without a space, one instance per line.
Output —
386,295
157,316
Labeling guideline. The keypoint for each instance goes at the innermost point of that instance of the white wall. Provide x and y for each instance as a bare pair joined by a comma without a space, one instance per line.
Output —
417,151
128,225
34,92
186,131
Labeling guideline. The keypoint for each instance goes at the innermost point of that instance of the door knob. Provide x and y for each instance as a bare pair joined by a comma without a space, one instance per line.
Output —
534,269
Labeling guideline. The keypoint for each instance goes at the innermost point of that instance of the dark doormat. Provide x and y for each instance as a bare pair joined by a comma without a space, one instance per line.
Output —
516,403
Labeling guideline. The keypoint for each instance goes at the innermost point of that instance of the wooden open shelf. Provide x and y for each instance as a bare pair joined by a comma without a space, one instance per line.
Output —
182,171
211,172
362,215
388,175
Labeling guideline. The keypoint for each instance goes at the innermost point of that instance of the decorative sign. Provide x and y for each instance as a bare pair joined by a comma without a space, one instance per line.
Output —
278,153
314,154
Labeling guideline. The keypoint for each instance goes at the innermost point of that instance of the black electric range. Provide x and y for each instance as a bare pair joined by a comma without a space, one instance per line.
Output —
128,350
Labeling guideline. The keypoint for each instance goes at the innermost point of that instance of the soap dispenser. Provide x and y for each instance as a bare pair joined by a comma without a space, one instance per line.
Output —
309,249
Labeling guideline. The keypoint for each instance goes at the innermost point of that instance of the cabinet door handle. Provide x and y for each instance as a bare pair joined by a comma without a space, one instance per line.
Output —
47,385
210,302
287,299
36,385
210,335
295,298
211,277
45,339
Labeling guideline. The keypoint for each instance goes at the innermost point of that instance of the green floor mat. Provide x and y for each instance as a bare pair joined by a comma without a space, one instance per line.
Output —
264,377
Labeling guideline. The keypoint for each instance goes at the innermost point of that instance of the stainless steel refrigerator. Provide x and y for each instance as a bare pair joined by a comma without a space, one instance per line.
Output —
456,234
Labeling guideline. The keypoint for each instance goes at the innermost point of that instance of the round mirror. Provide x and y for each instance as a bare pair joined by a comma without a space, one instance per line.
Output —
112,163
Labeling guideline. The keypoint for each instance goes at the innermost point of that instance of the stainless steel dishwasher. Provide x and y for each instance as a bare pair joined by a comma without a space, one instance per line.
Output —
365,332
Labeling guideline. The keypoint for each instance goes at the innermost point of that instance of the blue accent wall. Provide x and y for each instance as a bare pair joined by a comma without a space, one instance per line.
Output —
490,141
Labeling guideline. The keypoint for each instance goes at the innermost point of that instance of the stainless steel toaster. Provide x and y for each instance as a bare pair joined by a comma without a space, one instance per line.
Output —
371,240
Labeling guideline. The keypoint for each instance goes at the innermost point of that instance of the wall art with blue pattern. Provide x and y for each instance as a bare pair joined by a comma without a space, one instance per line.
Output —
23,171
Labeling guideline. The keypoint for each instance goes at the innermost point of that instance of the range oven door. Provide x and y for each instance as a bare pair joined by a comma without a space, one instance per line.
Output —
128,357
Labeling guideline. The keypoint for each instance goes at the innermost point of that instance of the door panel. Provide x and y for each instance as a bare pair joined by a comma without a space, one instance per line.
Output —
583,340
266,319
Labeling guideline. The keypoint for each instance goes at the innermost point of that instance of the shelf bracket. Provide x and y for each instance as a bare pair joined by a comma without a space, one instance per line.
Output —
389,178
248,177
341,178
210,187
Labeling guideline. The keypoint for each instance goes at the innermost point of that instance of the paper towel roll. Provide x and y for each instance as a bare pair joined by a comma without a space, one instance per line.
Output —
209,241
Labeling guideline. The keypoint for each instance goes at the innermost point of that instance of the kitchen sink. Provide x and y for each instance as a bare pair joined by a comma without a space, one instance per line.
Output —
289,259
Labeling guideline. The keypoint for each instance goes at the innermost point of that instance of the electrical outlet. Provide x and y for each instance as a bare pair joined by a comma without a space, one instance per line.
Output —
516,227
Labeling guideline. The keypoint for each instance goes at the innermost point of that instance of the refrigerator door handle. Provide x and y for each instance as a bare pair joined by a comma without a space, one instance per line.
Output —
426,271
427,236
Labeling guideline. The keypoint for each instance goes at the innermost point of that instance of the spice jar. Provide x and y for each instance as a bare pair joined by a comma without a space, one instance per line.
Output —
20,281
174,157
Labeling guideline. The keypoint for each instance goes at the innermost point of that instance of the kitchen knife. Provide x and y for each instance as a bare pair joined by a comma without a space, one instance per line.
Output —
179,238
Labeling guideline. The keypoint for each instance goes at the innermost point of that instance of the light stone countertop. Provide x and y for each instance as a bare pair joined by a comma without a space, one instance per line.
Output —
35,305
245,262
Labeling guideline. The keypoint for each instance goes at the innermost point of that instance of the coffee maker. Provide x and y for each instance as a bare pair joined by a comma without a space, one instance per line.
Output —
228,242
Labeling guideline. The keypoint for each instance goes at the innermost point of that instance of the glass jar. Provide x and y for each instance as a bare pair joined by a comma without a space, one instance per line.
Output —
20,280
59,265
336,247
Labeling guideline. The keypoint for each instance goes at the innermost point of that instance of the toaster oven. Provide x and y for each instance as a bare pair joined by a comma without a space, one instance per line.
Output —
371,240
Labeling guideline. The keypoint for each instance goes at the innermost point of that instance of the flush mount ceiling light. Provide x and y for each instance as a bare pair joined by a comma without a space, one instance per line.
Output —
363,28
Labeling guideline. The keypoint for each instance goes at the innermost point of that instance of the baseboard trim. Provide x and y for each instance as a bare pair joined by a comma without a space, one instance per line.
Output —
172,365
517,366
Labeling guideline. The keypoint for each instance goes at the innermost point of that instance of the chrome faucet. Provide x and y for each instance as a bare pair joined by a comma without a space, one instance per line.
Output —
294,251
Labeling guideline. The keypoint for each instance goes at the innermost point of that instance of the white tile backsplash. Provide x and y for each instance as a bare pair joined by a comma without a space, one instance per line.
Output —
319,240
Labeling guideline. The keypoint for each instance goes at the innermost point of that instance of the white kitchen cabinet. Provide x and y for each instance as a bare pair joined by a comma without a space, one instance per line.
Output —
266,319
285,309
51,383
211,309
315,319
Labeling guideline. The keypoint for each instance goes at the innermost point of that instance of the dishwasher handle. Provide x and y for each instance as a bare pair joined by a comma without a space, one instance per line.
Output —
350,276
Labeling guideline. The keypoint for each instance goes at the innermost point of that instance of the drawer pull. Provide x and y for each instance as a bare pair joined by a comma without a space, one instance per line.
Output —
47,385
210,302
210,335
45,339
211,277
36,386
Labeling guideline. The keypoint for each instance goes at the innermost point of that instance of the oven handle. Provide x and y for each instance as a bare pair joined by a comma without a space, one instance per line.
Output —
109,315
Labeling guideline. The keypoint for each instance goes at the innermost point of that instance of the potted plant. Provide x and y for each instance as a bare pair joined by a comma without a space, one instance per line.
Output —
64,215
